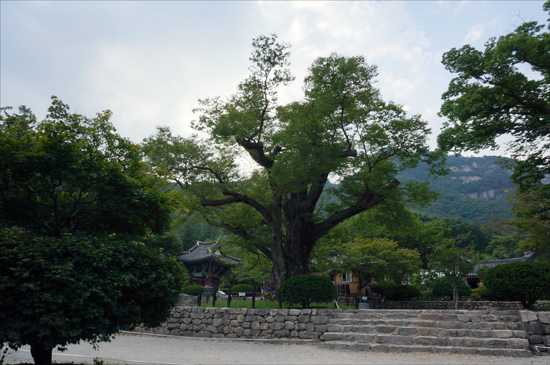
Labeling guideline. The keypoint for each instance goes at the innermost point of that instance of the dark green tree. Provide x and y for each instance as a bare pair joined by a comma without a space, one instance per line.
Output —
69,173
492,97
524,281
60,291
341,129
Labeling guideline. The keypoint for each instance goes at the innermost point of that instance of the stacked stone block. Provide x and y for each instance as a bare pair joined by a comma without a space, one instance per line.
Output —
445,331
484,332
537,329
245,323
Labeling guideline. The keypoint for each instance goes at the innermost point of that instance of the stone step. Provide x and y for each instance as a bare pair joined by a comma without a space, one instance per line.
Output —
407,340
426,331
520,326
376,347
453,316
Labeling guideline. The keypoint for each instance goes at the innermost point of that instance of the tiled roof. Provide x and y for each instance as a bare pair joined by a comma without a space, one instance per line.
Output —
206,251
528,256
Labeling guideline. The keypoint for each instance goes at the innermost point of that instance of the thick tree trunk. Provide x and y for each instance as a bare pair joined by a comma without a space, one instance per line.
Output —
41,355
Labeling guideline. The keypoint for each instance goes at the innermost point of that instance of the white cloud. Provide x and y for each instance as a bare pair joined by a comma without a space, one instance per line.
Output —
474,34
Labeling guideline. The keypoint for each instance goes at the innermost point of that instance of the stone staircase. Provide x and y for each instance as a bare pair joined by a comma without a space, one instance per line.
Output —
482,332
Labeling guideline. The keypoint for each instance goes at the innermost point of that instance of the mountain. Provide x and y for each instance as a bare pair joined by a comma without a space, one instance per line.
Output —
475,189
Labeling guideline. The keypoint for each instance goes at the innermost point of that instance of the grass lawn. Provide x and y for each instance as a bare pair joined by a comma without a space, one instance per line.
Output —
267,304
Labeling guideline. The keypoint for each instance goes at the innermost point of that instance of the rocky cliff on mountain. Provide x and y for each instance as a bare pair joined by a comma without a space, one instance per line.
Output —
474,190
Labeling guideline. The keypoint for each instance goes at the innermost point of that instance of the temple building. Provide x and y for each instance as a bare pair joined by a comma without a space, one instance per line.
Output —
206,264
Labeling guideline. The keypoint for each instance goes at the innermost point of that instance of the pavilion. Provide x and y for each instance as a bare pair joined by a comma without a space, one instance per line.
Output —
206,264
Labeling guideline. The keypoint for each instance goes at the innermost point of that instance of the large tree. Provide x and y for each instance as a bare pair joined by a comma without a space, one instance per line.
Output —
67,178
342,130
69,173
502,91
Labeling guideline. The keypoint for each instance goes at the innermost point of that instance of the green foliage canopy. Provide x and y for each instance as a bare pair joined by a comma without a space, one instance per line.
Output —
492,97
442,287
69,173
60,291
367,259
342,129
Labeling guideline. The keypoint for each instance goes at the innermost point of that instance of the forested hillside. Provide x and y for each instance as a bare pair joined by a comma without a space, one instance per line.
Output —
475,189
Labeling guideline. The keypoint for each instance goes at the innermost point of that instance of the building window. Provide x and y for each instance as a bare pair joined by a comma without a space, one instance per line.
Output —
347,277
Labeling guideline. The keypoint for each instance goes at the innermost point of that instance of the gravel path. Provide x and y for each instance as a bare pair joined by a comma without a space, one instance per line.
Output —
173,350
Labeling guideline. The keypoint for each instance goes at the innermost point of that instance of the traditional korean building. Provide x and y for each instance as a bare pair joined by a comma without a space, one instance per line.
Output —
473,280
206,264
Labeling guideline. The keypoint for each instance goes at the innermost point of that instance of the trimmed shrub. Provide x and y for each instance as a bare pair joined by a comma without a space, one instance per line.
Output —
524,281
395,291
193,289
442,288
305,289
242,288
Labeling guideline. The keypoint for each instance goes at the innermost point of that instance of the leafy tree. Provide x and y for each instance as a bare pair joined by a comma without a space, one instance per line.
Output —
532,218
452,261
471,234
491,97
60,291
341,129
367,259
442,287
70,173
524,281
396,291
503,247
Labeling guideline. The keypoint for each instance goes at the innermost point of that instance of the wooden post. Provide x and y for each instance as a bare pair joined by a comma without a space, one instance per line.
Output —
199,298
253,298
280,303
214,300
356,300
229,299
210,274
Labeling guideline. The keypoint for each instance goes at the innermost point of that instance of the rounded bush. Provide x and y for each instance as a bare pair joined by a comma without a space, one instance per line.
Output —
305,289
442,288
524,281
395,291
193,289
242,288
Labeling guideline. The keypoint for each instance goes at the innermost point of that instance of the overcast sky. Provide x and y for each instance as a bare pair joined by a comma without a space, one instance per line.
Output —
149,61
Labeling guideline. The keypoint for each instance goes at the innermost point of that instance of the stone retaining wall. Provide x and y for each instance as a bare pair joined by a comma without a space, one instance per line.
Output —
243,322
312,323
537,328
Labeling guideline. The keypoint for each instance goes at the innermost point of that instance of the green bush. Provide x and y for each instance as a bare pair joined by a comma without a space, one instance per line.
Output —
442,288
60,291
193,289
242,288
395,291
524,281
305,289
480,293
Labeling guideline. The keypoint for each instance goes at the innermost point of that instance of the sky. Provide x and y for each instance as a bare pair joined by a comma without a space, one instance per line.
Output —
150,61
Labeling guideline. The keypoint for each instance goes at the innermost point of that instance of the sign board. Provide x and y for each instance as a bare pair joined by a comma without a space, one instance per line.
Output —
365,298
242,294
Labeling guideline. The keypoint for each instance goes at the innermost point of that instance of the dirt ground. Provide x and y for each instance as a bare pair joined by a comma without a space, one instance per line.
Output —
174,350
